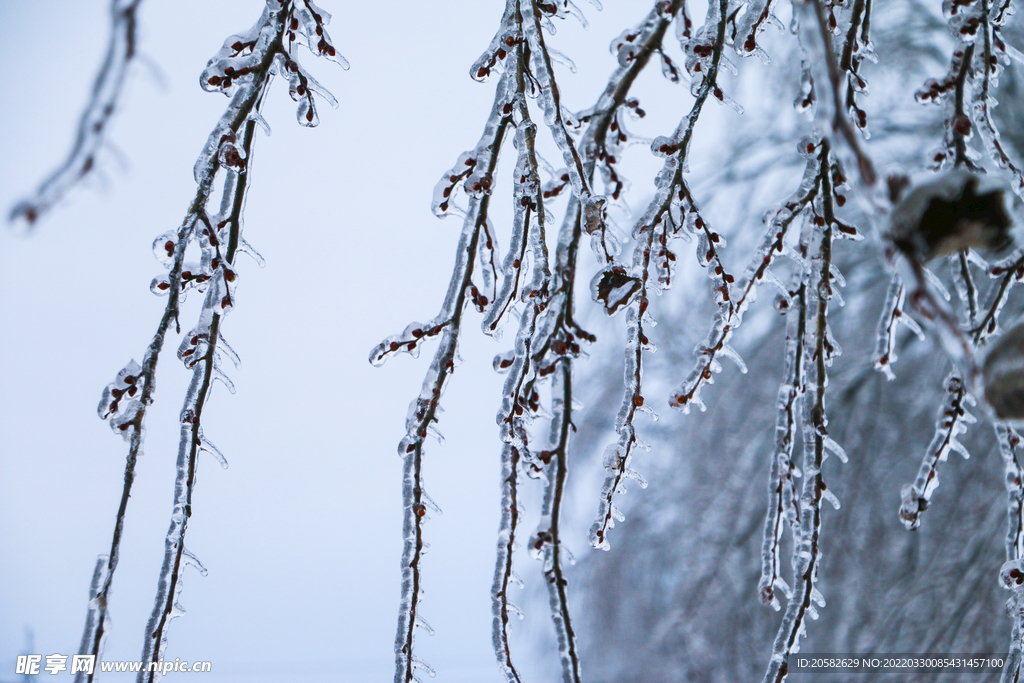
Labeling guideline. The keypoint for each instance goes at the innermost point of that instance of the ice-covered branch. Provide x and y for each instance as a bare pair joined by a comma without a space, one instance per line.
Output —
704,58
615,287
95,118
952,422
547,540
716,343
1009,440
1011,272
856,49
200,352
126,410
993,57
533,13
243,70
1012,573
423,411
818,350
839,121
893,316
520,399
966,289
218,238
783,503
504,574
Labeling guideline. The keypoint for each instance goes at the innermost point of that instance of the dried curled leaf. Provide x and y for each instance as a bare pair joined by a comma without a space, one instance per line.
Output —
614,288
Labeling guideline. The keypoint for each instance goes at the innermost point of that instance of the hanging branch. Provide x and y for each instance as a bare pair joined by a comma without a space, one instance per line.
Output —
135,385
716,342
423,410
242,69
548,539
966,289
993,57
1011,575
248,61
504,575
614,287
1011,272
952,422
818,350
520,400
856,49
839,121
893,315
95,118
473,173
533,13
783,503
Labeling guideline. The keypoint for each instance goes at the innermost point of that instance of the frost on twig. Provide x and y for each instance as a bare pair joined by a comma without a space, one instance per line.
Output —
95,119
819,280
423,411
218,239
672,211
952,422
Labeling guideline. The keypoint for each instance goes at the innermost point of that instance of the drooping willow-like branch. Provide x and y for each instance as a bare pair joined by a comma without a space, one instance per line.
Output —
95,119
840,122
251,59
952,422
244,66
818,350
673,194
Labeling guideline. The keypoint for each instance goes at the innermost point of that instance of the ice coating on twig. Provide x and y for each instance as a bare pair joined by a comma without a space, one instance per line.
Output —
95,119
892,316
783,500
424,409
243,72
94,635
1011,574
549,545
818,282
730,317
952,422
503,572
592,204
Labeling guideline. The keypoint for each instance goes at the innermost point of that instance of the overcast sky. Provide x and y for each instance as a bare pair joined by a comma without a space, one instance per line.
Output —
301,535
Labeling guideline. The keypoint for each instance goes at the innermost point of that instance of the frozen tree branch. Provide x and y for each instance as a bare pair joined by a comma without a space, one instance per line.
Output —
818,350
952,422
723,327
242,70
783,502
95,118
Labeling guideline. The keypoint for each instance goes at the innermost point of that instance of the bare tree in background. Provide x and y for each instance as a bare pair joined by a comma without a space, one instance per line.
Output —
810,204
